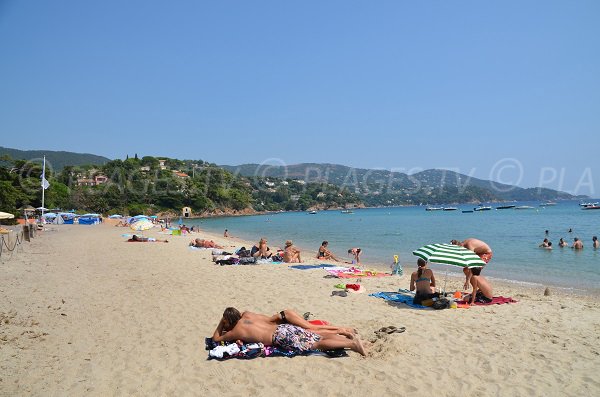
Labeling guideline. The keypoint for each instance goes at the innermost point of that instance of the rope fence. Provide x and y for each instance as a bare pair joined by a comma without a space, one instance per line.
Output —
8,248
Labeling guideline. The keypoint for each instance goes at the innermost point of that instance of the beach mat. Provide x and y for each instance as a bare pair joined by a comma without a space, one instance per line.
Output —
229,350
352,273
496,300
308,267
399,297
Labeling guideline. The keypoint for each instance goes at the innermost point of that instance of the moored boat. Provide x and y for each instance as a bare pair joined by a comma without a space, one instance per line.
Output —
482,207
434,209
450,208
505,207
524,207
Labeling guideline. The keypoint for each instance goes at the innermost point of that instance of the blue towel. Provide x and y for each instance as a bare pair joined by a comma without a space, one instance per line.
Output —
307,267
400,297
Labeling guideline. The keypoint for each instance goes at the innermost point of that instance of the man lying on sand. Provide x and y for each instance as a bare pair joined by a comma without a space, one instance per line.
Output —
138,239
200,243
286,330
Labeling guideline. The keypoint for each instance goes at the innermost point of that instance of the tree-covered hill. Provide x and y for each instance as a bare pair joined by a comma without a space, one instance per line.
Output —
55,160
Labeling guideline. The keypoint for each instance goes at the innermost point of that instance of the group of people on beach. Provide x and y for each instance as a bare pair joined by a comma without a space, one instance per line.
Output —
288,330
422,281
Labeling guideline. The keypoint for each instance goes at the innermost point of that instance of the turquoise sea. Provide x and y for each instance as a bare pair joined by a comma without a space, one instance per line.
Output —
513,235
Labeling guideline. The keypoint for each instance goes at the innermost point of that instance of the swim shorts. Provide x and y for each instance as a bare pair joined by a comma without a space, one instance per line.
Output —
481,298
487,257
294,338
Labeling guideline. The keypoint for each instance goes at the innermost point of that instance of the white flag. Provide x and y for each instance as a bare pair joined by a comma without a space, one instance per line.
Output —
45,183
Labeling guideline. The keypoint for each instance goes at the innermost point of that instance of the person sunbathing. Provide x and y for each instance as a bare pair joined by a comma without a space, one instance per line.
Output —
291,254
261,251
423,282
200,243
137,239
324,253
286,330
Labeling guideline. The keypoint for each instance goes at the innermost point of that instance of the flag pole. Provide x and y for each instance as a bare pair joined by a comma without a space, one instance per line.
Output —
43,188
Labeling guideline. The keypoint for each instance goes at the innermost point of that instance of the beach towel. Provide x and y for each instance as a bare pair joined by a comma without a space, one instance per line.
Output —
400,297
353,272
496,300
308,267
228,350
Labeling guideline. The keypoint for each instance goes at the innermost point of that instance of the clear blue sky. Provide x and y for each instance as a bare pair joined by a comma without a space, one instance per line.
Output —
409,85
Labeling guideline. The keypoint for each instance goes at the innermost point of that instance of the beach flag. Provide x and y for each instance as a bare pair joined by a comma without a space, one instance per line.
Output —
45,183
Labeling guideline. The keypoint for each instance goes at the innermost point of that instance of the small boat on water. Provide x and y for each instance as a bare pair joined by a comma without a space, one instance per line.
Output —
505,207
347,212
591,207
481,207
547,204
467,211
450,208
524,207
588,204
312,212
434,209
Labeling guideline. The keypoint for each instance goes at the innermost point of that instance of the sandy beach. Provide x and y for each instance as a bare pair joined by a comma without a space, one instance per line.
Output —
85,313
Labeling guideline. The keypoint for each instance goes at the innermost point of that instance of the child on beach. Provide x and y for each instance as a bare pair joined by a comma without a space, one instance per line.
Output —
356,253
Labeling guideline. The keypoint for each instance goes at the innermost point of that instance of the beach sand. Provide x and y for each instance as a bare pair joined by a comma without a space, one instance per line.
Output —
84,313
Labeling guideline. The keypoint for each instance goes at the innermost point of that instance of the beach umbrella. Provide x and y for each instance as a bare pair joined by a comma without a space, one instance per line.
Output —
141,225
116,216
6,215
449,254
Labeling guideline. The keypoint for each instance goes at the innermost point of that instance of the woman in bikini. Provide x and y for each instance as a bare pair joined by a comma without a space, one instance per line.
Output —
423,282
261,251
324,253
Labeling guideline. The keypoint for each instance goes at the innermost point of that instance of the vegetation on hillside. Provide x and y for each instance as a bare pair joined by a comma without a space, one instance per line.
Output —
149,184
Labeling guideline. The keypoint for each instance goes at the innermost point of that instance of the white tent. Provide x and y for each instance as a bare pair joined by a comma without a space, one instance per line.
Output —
58,220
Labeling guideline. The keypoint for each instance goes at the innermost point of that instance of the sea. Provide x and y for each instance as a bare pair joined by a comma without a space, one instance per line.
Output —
381,233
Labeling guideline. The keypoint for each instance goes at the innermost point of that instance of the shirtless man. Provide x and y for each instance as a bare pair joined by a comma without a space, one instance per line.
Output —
285,329
291,254
324,253
595,242
577,244
480,248
482,290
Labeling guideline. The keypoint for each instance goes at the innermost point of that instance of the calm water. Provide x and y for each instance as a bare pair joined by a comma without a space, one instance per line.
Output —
514,236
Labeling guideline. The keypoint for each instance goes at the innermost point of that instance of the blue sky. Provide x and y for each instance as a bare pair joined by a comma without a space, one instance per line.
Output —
505,90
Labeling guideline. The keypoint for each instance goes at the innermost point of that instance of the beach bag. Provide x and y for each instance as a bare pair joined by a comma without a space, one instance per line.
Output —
441,303
243,253
277,258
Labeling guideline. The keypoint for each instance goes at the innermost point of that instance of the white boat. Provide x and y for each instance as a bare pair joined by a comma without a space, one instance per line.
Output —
481,207
434,208
347,212
450,208
547,204
524,207
312,212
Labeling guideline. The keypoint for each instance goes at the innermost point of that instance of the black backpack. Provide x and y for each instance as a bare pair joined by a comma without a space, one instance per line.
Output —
441,303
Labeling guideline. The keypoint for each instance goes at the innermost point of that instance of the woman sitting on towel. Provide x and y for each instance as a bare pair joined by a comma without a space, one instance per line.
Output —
261,251
424,282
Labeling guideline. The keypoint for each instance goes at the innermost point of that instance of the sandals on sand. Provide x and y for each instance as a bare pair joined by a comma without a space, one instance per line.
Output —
390,330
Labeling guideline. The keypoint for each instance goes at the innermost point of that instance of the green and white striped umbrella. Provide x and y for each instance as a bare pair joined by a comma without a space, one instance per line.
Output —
449,254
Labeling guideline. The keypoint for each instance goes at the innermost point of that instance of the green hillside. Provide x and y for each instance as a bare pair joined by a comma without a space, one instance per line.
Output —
55,160
383,187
